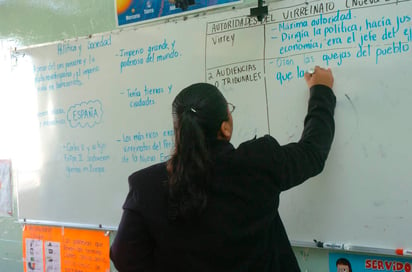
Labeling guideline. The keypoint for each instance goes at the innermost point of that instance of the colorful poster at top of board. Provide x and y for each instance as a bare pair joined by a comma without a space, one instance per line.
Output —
134,11
339,262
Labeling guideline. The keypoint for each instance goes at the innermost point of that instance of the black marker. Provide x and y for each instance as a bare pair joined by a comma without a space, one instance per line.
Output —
329,245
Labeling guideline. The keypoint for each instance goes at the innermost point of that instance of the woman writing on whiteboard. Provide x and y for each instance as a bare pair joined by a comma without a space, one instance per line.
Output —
213,207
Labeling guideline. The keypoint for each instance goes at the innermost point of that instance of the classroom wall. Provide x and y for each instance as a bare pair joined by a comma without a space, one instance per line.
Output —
29,22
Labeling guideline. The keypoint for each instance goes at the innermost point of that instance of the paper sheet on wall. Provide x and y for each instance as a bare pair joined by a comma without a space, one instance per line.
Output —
5,188
365,263
54,249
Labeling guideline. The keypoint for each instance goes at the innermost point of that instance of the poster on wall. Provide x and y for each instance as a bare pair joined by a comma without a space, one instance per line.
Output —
339,262
55,249
135,11
5,188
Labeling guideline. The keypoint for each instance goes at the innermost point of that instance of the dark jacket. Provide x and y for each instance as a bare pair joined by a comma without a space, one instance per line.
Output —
240,230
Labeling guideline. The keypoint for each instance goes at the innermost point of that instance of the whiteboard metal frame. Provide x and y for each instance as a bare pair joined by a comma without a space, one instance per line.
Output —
350,248
66,224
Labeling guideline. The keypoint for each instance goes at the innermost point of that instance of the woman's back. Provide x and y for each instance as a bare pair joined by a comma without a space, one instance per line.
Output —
223,238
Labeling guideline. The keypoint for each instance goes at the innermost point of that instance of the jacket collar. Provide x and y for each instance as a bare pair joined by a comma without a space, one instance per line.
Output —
218,147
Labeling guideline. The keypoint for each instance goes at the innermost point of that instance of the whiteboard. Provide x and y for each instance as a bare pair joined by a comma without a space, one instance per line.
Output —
102,111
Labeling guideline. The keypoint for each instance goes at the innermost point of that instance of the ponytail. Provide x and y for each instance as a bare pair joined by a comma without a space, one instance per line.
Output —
190,168
198,112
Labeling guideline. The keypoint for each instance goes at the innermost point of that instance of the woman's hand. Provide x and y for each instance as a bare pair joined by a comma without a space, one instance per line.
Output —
320,76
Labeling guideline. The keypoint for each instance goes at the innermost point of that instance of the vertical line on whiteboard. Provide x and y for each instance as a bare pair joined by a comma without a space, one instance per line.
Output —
205,52
264,75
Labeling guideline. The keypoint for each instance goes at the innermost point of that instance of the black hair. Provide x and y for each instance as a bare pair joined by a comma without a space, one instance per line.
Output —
344,261
198,112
